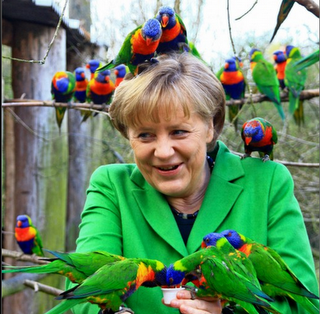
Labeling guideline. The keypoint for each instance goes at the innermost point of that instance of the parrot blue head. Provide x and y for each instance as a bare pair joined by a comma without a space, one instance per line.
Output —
62,84
166,16
174,276
80,74
23,221
211,239
102,77
230,65
252,51
93,65
120,70
279,56
233,237
288,50
151,30
253,130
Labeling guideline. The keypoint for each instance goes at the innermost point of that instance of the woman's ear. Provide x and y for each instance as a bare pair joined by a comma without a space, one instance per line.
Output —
210,132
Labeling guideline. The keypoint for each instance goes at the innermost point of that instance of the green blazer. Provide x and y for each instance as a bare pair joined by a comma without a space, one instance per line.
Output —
124,215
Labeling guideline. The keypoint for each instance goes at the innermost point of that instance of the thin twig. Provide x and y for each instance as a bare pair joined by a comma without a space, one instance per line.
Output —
240,17
43,60
37,286
229,26
19,256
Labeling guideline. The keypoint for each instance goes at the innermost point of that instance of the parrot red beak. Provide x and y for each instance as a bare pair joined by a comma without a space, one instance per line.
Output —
19,223
82,75
87,66
226,66
241,64
248,140
107,78
164,21
203,246
116,72
148,41
274,57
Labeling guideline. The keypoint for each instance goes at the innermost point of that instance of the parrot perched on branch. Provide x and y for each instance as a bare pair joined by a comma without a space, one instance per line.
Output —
139,45
99,91
234,85
265,77
75,266
112,284
27,236
259,135
219,273
63,86
295,81
274,274
81,85
280,59
174,33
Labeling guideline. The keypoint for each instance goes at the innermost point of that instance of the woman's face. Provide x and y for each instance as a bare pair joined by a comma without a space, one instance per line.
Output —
171,155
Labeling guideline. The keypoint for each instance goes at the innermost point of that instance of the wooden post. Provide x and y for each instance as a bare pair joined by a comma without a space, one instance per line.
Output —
35,154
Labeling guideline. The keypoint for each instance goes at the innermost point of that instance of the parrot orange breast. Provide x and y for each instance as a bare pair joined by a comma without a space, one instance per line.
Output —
140,46
230,78
170,34
25,234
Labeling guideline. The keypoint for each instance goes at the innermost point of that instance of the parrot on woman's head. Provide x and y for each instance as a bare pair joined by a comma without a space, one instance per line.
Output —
265,77
260,136
174,33
112,284
63,86
139,46
27,236
274,274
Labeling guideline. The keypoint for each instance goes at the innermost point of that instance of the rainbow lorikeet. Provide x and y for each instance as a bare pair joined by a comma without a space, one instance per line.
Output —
295,81
285,8
93,65
265,77
112,284
274,274
99,90
139,46
234,85
217,273
259,135
307,60
280,59
120,72
174,33
75,266
27,236
81,85
63,86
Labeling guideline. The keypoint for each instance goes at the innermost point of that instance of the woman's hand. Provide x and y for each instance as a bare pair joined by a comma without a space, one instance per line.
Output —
186,305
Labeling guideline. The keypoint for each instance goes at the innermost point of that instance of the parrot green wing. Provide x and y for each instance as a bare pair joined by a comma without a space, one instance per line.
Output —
183,27
307,61
72,84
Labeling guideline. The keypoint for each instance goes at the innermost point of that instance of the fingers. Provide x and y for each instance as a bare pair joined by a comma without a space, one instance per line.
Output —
198,306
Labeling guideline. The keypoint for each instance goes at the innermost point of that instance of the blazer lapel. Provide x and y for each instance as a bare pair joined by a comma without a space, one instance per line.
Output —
220,196
157,212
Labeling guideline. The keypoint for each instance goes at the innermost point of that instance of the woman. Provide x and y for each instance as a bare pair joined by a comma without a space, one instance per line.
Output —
185,184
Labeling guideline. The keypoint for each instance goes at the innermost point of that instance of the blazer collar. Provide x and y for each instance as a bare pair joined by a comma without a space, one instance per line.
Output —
220,196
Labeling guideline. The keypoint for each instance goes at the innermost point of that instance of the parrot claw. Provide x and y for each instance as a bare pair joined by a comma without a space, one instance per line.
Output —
245,156
265,158
123,309
193,291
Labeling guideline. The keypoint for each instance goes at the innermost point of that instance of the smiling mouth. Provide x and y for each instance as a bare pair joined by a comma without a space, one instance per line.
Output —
168,168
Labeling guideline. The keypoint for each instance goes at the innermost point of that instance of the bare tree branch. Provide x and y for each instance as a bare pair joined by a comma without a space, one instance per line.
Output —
240,17
230,32
310,5
43,61
37,286
19,256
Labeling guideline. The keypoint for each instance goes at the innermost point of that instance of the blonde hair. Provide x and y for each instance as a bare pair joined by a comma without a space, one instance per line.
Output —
174,81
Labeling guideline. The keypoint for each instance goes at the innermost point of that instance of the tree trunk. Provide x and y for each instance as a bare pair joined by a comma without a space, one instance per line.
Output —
35,155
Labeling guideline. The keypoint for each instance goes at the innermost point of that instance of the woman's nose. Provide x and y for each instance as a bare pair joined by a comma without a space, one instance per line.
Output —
163,148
